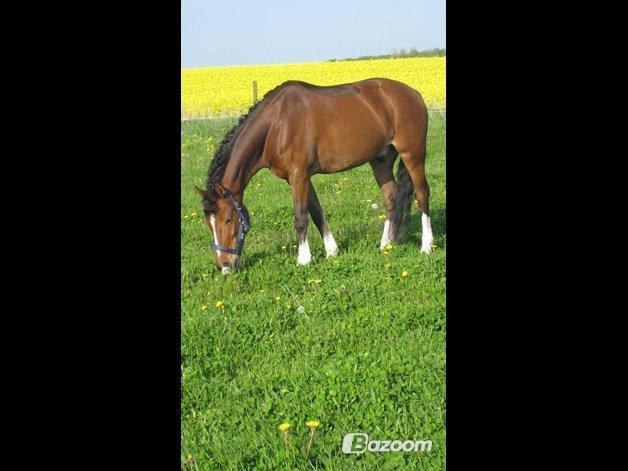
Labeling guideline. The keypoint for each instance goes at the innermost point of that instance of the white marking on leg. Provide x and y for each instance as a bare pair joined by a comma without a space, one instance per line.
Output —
212,221
427,238
331,247
385,235
305,256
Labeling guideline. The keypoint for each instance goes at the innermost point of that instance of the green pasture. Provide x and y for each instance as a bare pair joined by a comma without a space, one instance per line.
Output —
347,341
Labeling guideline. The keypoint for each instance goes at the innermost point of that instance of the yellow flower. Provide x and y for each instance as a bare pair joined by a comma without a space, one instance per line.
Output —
388,247
382,216
277,298
404,273
313,423
204,307
314,281
285,426
219,304
386,265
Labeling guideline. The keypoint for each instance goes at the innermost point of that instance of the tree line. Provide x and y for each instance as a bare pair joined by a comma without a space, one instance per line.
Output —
395,53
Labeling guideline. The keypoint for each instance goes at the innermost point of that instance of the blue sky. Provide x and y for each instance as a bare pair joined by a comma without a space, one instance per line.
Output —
231,32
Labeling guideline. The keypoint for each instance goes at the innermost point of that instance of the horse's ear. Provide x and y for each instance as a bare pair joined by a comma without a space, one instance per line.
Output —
200,191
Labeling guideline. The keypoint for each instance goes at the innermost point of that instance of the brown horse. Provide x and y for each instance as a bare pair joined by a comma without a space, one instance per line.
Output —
298,130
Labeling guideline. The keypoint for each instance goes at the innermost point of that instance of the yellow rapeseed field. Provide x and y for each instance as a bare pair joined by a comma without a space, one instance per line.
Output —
211,91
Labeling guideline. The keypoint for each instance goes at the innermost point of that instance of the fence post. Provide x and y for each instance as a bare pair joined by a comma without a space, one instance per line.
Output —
254,91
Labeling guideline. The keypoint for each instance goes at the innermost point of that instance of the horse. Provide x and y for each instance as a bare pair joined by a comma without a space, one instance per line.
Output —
298,130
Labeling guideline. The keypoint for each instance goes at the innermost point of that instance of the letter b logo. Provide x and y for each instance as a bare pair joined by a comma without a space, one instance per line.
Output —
355,443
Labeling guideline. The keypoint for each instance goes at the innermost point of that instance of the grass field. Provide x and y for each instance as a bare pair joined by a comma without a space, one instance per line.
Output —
211,91
366,355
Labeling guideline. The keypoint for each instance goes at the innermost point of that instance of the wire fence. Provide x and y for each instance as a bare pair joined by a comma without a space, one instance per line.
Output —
431,111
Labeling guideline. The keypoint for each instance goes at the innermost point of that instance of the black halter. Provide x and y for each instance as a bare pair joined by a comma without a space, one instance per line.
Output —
245,225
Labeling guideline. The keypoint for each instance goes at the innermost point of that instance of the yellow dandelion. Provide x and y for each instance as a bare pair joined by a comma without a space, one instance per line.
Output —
386,265
313,423
283,247
314,281
219,304
277,298
204,307
285,426
382,216
388,247
404,273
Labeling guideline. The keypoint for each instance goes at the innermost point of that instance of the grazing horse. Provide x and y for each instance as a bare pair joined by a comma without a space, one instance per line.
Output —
298,130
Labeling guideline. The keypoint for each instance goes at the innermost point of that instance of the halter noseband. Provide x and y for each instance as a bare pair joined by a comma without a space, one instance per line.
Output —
245,225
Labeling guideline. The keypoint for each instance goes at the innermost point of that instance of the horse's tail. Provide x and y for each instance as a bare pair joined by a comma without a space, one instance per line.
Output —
403,203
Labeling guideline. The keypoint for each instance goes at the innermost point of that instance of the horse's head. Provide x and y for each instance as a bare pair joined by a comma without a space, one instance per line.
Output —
228,221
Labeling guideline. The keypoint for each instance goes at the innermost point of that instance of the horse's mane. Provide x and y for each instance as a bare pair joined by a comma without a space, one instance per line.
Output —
221,158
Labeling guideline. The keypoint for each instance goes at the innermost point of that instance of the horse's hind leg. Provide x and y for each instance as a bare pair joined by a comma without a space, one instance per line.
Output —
316,211
383,170
415,164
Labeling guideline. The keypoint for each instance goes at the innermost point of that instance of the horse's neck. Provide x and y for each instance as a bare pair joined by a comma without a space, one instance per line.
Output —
244,160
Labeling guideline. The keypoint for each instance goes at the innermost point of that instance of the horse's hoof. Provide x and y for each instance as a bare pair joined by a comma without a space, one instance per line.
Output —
333,253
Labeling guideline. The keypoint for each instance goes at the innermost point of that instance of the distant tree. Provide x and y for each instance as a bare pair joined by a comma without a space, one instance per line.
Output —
402,52
394,53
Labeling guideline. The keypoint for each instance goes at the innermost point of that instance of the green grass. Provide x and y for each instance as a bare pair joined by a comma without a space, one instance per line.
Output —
368,354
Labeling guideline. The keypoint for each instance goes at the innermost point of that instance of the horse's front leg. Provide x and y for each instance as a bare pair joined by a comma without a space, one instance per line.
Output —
300,184
316,211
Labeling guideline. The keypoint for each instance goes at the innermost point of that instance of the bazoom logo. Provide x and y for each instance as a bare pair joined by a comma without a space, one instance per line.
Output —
358,443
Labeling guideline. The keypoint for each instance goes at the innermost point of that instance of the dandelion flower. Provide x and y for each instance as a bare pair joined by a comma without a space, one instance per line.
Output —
204,307
312,424
219,304
285,426
277,298
382,216
374,206
301,310
388,247
404,273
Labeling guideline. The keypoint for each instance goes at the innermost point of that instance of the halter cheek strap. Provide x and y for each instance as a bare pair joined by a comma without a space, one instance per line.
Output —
245,225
